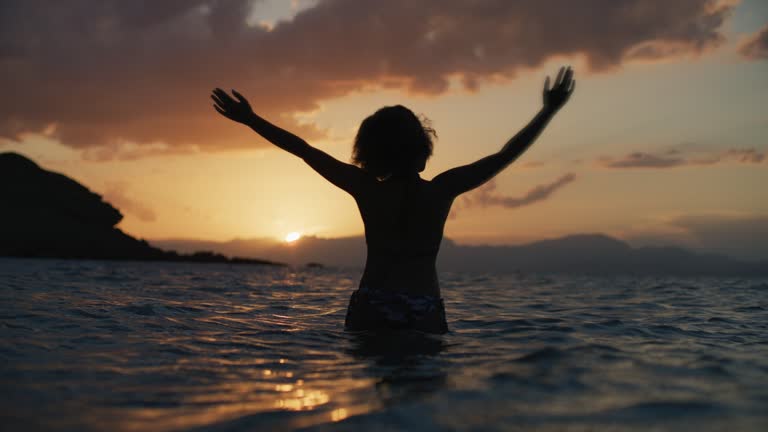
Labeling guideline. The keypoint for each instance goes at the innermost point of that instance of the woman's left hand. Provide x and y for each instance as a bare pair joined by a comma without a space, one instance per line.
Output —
561,91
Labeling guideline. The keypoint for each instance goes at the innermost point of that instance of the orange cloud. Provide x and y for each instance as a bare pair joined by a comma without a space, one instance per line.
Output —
642,160
674,158
121,74
486,195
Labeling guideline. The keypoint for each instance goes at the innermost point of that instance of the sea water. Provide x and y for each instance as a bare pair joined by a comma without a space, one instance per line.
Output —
123,346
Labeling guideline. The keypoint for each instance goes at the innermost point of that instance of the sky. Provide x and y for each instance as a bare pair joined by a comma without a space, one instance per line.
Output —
663,143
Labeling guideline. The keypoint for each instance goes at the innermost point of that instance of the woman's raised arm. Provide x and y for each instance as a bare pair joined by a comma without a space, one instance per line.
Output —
347,177
465,178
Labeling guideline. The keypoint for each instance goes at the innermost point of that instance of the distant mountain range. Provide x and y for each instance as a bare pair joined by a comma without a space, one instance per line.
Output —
577,254
44,214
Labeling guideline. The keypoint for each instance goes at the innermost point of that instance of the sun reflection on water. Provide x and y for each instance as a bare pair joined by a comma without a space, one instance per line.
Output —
304,400
339,414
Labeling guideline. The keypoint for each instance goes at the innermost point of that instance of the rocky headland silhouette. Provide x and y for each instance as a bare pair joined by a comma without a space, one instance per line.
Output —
44,214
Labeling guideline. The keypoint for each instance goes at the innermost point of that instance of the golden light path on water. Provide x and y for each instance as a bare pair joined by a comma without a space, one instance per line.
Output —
233,402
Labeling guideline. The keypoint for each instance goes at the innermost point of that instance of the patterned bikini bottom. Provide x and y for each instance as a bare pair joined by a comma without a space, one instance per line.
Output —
371,309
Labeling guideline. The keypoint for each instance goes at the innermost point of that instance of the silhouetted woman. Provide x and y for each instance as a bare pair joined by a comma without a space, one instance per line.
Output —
403,214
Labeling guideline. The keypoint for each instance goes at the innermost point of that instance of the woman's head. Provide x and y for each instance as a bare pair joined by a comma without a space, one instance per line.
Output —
393,141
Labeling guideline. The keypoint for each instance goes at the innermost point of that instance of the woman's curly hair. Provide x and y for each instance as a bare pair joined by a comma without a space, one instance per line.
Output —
393,140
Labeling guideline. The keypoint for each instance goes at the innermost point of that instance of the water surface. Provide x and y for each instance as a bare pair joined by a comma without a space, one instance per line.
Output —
122,346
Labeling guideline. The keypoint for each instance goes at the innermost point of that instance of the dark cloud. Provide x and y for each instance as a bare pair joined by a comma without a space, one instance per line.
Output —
116,73
755,47
675,158
642,160
744,155
487,196
734,155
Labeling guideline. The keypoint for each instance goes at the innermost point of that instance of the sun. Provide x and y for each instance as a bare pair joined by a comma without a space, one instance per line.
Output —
292,237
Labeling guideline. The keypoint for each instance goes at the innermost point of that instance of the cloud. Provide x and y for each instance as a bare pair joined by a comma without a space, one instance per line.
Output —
755,46
734,155
642,160
532,164
487,196
119,74
115,195
674,158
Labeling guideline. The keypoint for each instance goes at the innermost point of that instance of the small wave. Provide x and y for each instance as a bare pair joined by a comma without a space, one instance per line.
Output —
212,289
645,412
88,314
750,308
139,309
605,324
543,355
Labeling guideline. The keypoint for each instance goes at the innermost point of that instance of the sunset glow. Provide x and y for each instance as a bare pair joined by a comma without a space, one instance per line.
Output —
292,237
656,124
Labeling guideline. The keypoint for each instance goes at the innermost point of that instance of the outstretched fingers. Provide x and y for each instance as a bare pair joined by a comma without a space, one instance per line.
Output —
567,78
218,100
559,79
223,96
219,110
239,97
236,109
562,87
222,102
564,79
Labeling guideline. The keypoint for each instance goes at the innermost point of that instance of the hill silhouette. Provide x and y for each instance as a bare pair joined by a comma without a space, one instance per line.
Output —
47,214
594,254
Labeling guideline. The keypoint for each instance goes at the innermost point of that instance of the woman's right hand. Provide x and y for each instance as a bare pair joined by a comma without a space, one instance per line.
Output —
561,91
237,110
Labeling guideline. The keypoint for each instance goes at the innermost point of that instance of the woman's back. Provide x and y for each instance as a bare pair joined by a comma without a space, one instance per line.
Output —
404,219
